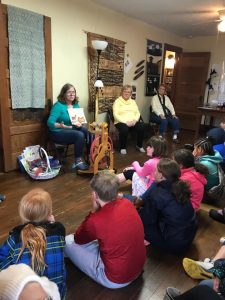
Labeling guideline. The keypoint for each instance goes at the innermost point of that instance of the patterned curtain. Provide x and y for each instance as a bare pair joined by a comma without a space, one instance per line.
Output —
26,58
110,71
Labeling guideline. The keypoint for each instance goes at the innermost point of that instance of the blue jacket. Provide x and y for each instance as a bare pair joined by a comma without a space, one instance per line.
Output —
167,223
54,256
211,162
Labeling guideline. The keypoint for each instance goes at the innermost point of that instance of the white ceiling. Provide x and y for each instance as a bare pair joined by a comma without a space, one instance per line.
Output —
185,18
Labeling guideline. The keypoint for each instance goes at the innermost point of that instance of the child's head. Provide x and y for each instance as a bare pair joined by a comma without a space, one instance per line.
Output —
35,206
203,146
184,158
106,185
222,124
167,169
157,147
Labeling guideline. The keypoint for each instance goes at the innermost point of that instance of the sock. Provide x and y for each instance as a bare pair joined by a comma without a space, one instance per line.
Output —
121,177
174,136
77,159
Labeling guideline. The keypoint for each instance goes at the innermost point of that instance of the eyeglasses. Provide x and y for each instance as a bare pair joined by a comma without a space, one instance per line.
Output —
71,92
127,92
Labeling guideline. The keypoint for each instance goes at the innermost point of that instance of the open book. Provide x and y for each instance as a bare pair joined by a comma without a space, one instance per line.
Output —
77,115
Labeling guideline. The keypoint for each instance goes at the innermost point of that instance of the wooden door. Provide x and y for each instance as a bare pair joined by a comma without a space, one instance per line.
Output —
24,127
189,90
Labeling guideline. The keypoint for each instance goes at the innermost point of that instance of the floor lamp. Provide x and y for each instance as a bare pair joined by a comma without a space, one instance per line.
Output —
99,46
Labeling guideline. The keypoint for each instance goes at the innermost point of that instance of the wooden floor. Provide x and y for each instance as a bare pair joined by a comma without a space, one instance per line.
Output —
71,203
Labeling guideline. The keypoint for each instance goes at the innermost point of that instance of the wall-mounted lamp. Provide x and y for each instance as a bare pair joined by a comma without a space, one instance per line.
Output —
99,46
170,62
221,26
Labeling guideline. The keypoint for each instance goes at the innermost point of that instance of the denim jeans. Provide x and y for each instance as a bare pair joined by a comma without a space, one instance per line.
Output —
74,136
208,282
175,123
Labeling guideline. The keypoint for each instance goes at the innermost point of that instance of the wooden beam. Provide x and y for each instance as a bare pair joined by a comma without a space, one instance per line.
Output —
4,96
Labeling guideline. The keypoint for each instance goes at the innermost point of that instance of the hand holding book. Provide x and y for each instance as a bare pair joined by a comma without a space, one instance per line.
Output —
77,116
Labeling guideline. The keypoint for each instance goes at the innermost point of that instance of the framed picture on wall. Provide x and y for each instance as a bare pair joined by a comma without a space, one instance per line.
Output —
154,67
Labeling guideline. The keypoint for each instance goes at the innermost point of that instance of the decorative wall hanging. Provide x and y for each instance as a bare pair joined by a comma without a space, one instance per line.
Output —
127,64
26,58
138,75
154,67
111,71
139,70
140,63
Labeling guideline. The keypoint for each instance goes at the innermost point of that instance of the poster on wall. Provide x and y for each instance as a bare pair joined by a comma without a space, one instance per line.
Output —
154,67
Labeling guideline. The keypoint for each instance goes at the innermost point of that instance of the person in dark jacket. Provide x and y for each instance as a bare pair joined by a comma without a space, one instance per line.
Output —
167,214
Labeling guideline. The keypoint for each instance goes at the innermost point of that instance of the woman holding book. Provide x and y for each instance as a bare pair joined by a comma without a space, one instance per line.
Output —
61,129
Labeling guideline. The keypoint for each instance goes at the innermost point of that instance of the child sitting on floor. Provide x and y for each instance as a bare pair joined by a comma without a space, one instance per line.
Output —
218,136
193,174
142,177
204,154
167,214
39,242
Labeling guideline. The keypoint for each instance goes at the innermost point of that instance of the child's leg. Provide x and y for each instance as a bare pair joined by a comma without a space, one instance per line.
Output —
121,177
139,185
208,282
128,174
87,258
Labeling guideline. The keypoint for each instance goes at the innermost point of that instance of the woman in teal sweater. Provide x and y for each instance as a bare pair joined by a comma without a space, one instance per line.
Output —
61,129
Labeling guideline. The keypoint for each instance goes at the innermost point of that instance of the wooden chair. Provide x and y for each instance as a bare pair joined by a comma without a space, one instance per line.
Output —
154,126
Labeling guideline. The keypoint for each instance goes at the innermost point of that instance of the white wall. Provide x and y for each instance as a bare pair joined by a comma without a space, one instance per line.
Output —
70,18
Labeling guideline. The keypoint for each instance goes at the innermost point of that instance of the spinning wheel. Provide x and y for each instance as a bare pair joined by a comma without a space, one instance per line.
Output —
96,147
101,151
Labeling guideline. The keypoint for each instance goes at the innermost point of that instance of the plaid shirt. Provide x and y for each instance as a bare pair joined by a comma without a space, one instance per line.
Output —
54,256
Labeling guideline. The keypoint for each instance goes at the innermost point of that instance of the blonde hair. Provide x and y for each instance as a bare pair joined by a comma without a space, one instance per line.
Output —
35,207
126,87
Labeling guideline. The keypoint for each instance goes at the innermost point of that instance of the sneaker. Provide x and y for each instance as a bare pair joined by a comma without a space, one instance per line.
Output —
217,215
171,293
123,151
222,240
141,149
207,264
176,141
195,271
80,165
2,197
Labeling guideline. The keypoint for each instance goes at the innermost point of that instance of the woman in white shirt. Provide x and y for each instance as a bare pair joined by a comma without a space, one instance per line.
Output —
163,113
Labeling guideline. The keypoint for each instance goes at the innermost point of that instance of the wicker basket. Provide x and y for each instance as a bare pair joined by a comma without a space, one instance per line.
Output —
49,173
